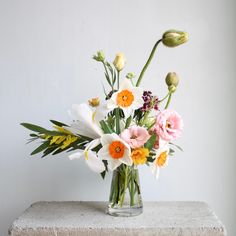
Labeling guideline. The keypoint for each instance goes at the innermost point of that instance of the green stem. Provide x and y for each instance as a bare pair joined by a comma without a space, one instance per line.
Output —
118,79
164,98
117,115
145,117
125,186
132,188
147,63
168,101
107,73
115,191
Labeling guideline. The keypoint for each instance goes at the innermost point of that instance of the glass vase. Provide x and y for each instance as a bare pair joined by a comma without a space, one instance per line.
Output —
125,196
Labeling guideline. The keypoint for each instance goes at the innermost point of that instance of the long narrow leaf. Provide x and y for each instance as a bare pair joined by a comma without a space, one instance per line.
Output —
48,151
40,129
40,148
106,129
181,149
58,123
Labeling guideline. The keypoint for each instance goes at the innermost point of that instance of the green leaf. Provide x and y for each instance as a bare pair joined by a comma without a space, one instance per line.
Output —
171,152
59,150
106,129
150,159
150,143
103,174
58,123
33,127
48,151
177,146
108,79
32,139
41,147
128,122
40,129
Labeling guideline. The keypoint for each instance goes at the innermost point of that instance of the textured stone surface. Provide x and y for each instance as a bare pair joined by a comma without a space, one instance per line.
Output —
89,218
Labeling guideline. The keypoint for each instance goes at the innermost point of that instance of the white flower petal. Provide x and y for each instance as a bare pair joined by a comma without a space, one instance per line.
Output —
76,155
103,153
85,124
128,111
94,143
108,138
127,158
113,164
111,103
102,111
94,163
126,84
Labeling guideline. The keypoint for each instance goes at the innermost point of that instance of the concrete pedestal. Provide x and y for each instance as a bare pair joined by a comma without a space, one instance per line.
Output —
89,219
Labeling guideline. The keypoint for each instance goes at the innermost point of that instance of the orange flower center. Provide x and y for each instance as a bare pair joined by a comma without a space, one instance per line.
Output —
139,155
116,149
125,98
161,160
168,124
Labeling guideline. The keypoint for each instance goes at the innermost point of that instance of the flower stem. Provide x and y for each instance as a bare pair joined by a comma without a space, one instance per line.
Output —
168,101
144,118
167,95
147,63
118,80
117,115
132,188
107,74
125,185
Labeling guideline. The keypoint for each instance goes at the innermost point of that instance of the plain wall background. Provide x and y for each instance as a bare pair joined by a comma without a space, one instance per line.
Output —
45,66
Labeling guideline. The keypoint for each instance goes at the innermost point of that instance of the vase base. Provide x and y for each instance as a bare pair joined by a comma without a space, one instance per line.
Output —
124,211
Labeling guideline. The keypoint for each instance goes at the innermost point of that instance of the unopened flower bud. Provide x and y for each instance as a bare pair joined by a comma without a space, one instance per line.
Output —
94,102
99,56
119,61
172,89
173,38
172,79
130,75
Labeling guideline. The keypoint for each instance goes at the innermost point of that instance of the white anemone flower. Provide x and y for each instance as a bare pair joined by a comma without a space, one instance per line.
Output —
128,98
115,151
161,159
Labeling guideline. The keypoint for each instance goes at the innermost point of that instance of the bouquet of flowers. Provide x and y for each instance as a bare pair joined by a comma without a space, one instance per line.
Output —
126,129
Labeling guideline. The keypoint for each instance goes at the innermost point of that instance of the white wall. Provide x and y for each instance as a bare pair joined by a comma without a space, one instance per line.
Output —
46,65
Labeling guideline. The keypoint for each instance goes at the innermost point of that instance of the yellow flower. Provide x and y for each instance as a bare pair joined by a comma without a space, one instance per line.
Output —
94,102
139,155
62,130
119,61
69,139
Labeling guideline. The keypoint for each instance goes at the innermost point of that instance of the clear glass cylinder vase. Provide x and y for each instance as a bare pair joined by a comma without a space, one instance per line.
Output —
125,195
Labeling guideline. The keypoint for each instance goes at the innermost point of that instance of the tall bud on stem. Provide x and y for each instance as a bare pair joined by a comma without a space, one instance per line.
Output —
174,38
170,38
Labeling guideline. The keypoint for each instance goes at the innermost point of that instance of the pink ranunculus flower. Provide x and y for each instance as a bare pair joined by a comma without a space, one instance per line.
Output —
135,136
169,125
